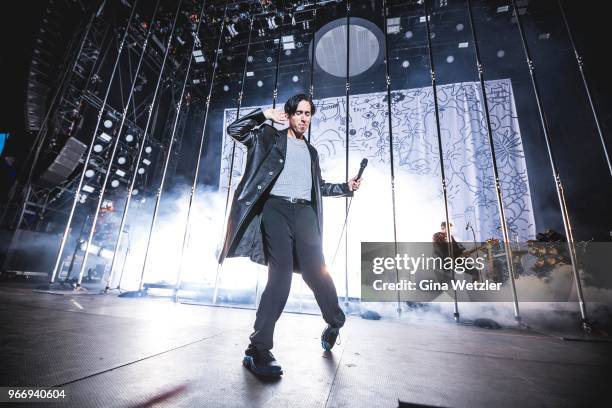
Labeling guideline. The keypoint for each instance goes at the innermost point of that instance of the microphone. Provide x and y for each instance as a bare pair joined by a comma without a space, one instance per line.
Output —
467,225
362,167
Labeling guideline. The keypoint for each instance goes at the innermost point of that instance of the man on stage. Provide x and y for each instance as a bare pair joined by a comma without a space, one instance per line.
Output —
276,220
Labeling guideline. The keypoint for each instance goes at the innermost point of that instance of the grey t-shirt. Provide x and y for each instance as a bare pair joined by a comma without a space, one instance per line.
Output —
296,178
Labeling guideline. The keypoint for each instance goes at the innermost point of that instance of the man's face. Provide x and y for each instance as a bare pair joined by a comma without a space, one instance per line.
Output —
300,120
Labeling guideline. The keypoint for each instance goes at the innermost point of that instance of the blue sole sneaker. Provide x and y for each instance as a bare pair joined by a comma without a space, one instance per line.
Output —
329,337
261,363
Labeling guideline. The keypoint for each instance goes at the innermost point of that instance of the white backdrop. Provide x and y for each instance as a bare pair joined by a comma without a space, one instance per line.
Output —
418,191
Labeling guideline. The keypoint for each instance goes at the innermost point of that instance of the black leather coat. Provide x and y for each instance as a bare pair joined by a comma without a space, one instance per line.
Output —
266,152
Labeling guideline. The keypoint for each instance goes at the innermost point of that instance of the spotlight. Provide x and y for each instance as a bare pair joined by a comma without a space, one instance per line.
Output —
393,25
501,54
89,173
250,58
225,88
97,148
287,52
288,42
405,64
450,59
295,78
198,56
259,84
408,34
115,183
141,170
135,191
269,59
459,27
121,160
108,123
148,149
88,189
129,138
105,137
231,28
82,198
120,173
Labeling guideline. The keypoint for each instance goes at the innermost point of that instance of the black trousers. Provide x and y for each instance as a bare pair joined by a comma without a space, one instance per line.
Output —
291,230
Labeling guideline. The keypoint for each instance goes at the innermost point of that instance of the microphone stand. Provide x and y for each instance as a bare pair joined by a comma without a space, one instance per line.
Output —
469,225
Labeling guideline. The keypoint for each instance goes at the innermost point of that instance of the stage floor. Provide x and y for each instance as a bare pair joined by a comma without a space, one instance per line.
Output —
117,352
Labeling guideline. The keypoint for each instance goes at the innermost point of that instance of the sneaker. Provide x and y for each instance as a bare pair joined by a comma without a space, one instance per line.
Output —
329,336
261,362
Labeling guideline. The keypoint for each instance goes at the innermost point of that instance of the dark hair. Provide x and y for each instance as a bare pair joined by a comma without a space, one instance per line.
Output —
292,104
443,224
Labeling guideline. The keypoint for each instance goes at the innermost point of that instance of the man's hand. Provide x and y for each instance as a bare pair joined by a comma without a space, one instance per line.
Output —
275,115
354,183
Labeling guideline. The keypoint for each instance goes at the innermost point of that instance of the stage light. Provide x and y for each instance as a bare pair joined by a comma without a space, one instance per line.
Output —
503,9
450,59
146,161
82,198
295,78
97,148
501,54
463,44
105,137
231,28
250,58
121,160
250,74
405,64
269,59
88,189
393,25
288,42
129,138
259,84
148,149
225,88
89,173
287,52
459,27
198,56
115,183
141,170
108,123
120,173
135,191
408,34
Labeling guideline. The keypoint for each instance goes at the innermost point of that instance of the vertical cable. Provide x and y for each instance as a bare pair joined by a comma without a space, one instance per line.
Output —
498,190
128,199
346,163
115,146
171,143
434,88
77,192
390,124
587,88
555,171
197,167
312,57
